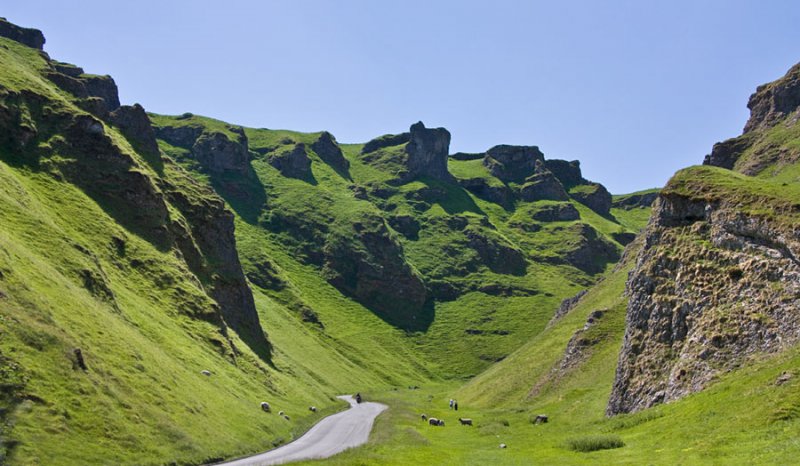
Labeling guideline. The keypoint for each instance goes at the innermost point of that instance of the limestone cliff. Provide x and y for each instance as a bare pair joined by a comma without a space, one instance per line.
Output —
718,279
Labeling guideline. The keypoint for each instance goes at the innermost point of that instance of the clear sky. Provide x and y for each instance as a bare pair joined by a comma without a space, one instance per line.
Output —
635,90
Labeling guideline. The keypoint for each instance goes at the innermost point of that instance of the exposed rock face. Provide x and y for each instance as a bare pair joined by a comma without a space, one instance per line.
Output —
591,252
512,163
566,306
568,173
31,37
90,158
712,286
217,262
375,273
427,151
387,140
98,94
543,185
215,151
180,136
328,150
774,101
293,163
135,125
772,106
103,87
218,154
594,196
562,212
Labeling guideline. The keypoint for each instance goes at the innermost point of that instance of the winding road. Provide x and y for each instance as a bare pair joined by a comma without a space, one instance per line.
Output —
333,434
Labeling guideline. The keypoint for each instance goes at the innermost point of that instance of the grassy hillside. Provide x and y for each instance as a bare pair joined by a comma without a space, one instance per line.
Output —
76,272
716,426
359,277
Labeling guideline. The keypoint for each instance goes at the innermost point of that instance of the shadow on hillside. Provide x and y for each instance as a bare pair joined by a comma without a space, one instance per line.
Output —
451,197
245,194
410,322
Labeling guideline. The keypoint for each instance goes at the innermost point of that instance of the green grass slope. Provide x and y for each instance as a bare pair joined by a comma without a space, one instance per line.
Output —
76,272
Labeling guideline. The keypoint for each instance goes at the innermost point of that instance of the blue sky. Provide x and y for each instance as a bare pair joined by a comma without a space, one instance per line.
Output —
635,90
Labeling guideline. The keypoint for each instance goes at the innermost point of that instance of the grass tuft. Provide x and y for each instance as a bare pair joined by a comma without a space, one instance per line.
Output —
595,442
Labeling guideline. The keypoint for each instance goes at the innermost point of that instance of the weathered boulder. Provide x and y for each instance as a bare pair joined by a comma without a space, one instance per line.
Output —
135,125
594,196
512,163
774,101
542,185
568,173
427,151
293,163
31,37
329,151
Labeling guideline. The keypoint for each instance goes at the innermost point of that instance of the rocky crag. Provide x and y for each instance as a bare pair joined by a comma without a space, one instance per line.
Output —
717,281
81,147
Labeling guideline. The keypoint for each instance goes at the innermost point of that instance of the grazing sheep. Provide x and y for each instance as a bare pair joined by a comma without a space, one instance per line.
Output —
313,409
540,419
205,372
265,406
286,417
465,421
502,445
424,417
281,413
434,422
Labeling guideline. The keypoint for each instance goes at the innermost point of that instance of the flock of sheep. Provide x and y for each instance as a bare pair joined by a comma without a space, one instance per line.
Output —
440,422
267,409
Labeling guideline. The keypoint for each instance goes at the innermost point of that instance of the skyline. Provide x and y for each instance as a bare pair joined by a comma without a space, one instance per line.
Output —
634,91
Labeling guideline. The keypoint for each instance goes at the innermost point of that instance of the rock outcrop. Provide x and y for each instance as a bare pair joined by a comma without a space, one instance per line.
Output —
568,173
774,115
560,212
329,151
293,162
31,37
712,286
542,185
566,305
512,163
135,125
594,196
590,252
371,267
427,151
774,101
216,152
